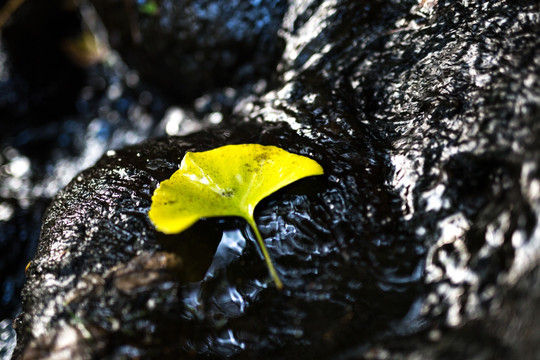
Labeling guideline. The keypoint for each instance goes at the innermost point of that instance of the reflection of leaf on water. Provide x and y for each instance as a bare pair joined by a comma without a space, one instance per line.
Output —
227,181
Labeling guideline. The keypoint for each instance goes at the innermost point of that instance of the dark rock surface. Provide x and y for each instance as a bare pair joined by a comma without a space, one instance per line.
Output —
193,47
421,242
509,331
101,219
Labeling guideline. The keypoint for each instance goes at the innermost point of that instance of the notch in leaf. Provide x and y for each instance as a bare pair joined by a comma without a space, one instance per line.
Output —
227,181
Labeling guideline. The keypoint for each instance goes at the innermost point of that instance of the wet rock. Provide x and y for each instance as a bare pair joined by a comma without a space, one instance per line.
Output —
421,241
100,222
127,288
510,331
193,47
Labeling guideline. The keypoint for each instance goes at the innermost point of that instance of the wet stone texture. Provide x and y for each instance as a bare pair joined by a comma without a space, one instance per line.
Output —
331,294
420,242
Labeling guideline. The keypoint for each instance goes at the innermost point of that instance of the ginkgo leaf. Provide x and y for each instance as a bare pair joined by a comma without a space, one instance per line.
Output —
227,181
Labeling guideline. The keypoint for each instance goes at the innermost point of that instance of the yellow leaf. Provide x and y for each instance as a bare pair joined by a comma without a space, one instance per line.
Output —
227,181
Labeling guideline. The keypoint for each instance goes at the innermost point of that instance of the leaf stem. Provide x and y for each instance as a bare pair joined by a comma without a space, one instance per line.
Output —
266,255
